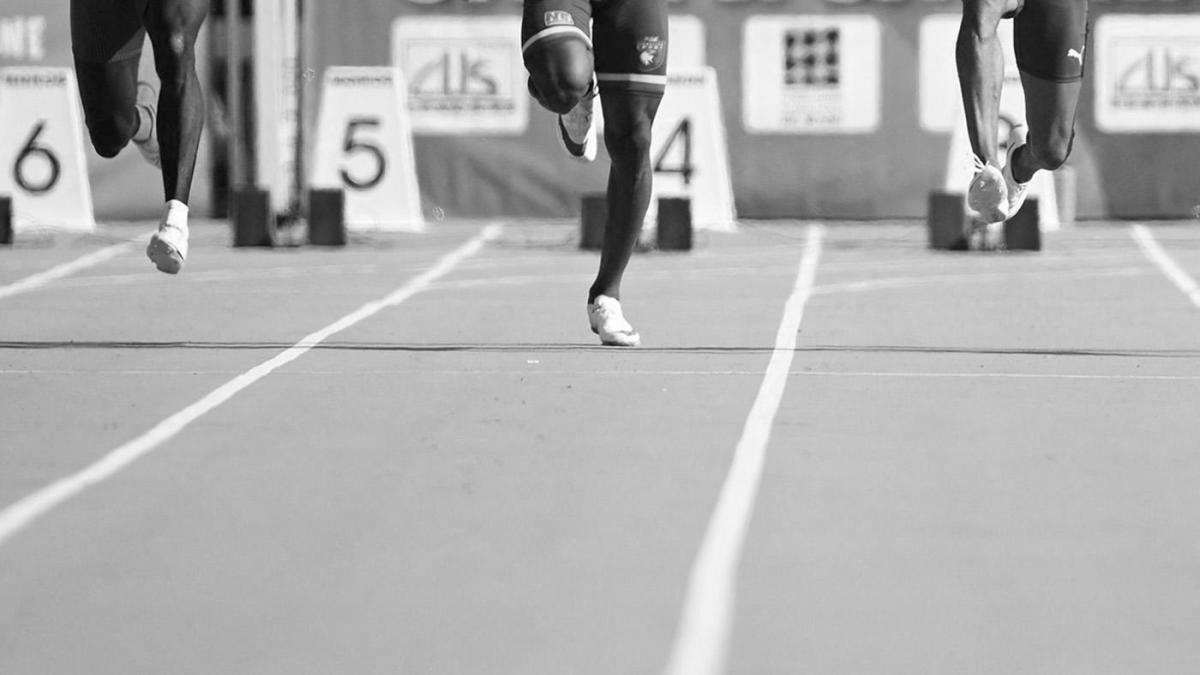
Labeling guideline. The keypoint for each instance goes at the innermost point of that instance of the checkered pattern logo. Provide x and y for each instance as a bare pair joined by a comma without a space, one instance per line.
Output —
812,57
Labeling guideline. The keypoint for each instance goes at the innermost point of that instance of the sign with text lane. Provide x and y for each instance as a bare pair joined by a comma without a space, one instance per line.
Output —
42,164
364,147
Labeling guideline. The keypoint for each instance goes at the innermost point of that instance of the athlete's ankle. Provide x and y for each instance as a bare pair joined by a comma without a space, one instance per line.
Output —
176,214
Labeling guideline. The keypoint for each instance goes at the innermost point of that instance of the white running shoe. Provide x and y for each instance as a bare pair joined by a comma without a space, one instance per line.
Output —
147,104
608,322
168,248
1017,192
578,128
987,195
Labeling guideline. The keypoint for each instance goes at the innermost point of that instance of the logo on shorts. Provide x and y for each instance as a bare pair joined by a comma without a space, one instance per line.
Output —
1078,55
652,51
557,17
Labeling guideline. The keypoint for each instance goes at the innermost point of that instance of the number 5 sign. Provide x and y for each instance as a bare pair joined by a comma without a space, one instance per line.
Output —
364,147
41,150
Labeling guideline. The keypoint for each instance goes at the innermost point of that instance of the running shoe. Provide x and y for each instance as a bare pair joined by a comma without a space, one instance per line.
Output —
578,129
168,248
147,138
607,321
1017,192
987,195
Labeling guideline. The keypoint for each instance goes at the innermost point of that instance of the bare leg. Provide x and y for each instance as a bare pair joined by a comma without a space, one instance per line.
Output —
628,117
980,60
173,26
1050,109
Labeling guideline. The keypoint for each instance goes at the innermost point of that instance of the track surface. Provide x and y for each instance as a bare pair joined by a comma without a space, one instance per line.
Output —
981,463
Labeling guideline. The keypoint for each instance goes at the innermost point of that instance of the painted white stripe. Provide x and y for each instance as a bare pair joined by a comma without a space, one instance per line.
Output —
1155,252
632,77
40,279
557,30
702,638
20,515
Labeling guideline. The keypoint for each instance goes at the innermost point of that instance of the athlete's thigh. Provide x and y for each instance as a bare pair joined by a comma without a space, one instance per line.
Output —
554,27
631,45
104,31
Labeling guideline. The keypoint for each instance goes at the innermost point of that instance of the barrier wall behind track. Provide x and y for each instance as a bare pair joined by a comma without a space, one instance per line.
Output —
865,135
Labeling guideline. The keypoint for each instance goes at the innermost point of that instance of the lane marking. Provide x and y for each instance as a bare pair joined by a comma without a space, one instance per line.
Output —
701,644
40,279
1155,252
20,515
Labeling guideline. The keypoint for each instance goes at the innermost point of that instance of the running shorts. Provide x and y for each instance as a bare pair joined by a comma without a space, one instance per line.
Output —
103,31
1049,38
628,37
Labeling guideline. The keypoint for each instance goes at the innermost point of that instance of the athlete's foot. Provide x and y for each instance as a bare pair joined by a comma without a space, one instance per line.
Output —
146,138
987,195
1017,191
578,129
609,323
169,246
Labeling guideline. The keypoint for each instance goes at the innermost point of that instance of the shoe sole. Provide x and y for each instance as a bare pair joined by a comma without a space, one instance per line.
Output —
164,256
992,214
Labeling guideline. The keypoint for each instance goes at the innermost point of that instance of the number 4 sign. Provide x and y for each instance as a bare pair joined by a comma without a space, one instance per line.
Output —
364,147
688,149
42,164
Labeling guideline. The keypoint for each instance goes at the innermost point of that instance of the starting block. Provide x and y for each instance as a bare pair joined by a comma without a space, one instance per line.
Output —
326,217
252,218
952,228
674,231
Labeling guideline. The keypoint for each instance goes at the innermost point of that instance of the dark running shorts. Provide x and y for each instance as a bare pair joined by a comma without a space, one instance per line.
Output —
628,37
103,31
1049,38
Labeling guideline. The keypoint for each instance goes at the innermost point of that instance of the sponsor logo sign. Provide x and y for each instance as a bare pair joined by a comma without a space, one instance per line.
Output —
811,74
465,74
1147,73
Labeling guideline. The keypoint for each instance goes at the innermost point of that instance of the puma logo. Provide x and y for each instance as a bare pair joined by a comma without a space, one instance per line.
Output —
1072,54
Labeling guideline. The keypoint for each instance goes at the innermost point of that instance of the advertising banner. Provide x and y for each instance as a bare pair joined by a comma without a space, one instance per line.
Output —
1148,73
811,74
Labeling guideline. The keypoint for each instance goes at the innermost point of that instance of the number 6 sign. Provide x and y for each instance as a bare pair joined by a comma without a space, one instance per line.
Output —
42,164
364,147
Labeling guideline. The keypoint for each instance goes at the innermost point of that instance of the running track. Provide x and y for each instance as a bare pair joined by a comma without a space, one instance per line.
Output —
835,452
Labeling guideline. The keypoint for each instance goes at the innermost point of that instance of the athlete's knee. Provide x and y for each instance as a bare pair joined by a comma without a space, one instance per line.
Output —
109,135
981,18
560,72
173,32
628,142
1052,150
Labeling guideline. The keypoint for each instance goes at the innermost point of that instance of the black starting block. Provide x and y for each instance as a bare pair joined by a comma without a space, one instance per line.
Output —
952,229
326,217
251,216
6,218
674,231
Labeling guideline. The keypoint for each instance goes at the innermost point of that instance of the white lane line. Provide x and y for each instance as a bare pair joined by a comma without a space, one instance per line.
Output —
40,279
20,515
701,644
1155,252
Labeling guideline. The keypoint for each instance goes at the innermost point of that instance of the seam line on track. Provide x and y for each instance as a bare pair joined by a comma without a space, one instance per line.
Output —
701,645
24,512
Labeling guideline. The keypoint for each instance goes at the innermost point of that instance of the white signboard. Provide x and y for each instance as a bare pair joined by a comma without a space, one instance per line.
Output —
1147,73
42,165
364,146
465,74
811,74
688,150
